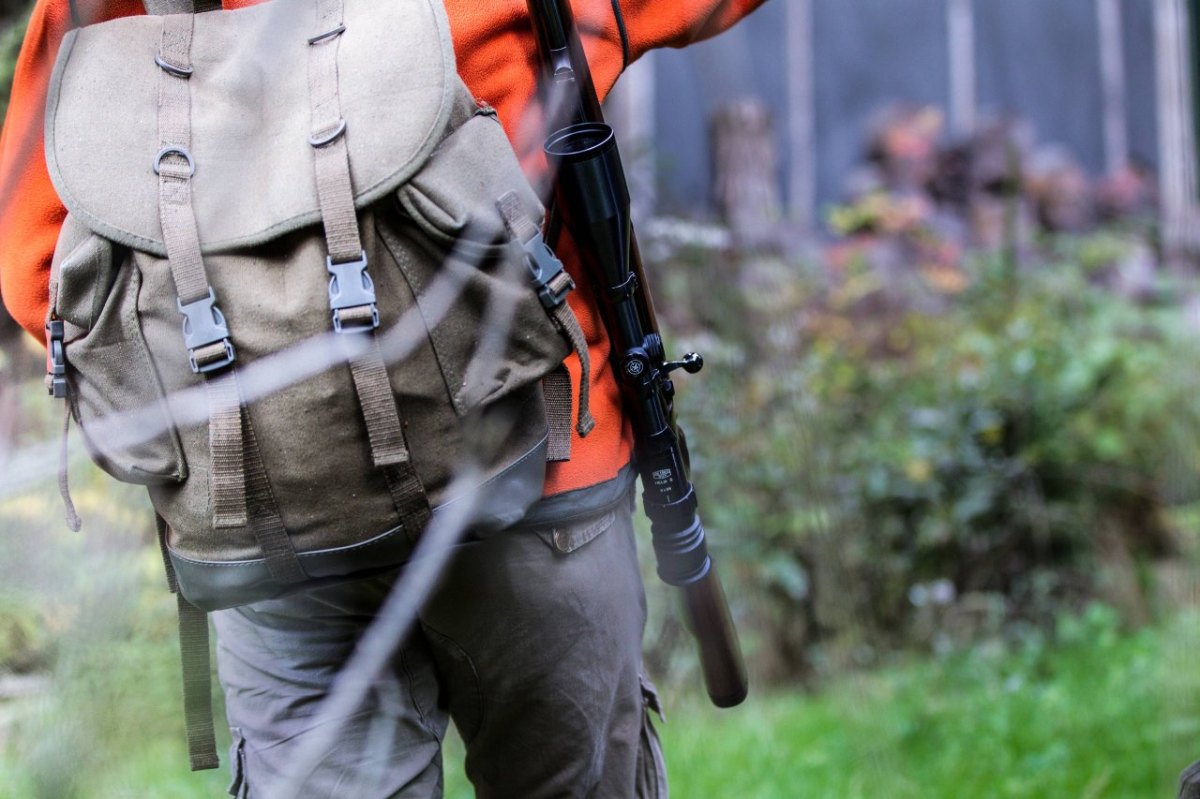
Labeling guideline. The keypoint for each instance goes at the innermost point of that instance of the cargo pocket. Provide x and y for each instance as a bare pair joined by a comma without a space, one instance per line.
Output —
450,228
567,537
239,786
466,703
651,769
113,387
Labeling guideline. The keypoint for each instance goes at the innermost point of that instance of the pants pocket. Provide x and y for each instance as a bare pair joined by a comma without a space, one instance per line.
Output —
569,536
239,786
652,768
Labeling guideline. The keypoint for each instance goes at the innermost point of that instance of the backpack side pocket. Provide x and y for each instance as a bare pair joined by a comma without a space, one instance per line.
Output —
449,215
114,389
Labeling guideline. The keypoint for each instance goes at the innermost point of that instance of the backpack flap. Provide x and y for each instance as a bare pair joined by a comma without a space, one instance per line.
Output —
251,117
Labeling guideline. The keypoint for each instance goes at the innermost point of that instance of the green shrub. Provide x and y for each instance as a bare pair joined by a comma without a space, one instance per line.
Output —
933,460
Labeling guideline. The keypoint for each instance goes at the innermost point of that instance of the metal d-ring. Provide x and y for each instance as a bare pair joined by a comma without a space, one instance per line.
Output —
325,139
174,150
321,37
172,69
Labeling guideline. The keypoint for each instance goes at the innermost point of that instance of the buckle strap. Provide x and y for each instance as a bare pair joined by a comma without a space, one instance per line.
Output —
205,332
56,363
352,295
206,335
352,300
552,283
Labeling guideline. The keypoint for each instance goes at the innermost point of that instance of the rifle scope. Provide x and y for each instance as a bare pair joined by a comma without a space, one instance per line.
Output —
592,200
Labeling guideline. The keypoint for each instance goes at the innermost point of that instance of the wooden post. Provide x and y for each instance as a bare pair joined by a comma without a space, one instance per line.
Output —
960,25
1112,79
1176,131
744,161
802,145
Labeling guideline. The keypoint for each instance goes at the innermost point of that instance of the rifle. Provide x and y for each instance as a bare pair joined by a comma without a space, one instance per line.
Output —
591,198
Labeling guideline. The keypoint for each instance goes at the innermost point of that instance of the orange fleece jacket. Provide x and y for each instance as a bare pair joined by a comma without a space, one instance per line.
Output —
497,59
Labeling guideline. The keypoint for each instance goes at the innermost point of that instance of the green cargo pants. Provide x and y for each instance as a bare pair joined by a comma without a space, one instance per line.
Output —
531,644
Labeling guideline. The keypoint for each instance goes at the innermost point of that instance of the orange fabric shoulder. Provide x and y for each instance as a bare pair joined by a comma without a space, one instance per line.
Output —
30,211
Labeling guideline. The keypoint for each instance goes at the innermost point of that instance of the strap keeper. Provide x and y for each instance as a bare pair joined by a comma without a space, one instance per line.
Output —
351,289
203,326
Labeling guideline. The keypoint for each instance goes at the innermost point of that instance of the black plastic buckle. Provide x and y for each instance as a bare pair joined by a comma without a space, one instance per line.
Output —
204,324
350,286
544,266
56,384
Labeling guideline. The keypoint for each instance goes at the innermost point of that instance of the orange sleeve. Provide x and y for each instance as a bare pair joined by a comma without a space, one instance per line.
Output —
650,24
30,211
497,53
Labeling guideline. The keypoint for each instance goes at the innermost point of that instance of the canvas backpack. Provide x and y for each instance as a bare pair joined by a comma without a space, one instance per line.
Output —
301,292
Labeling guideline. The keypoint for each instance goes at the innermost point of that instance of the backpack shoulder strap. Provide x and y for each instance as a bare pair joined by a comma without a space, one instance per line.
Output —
163,7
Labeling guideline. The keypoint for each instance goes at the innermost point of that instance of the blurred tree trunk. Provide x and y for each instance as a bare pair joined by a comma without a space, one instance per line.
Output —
1176,128
960,24
746,179
630,108
802,146
1112,76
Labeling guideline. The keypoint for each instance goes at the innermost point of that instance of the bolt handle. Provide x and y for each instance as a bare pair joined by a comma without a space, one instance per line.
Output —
691,363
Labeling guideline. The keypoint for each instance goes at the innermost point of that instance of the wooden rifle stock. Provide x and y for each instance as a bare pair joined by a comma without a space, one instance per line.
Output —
591,198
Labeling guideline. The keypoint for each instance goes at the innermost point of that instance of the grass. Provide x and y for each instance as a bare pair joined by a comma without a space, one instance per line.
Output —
1098,713
1109,716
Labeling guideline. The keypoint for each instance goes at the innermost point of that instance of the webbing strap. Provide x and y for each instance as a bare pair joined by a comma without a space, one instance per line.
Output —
227,478
378,406
335,193
197,686
265,519
556,387
195,668
174,162
569,325
409,498
64,480
175,168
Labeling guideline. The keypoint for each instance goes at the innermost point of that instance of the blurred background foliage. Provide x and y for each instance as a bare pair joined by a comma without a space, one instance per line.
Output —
934,461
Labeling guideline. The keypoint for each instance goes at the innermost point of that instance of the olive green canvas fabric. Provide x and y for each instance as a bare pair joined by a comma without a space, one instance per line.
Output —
465,337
